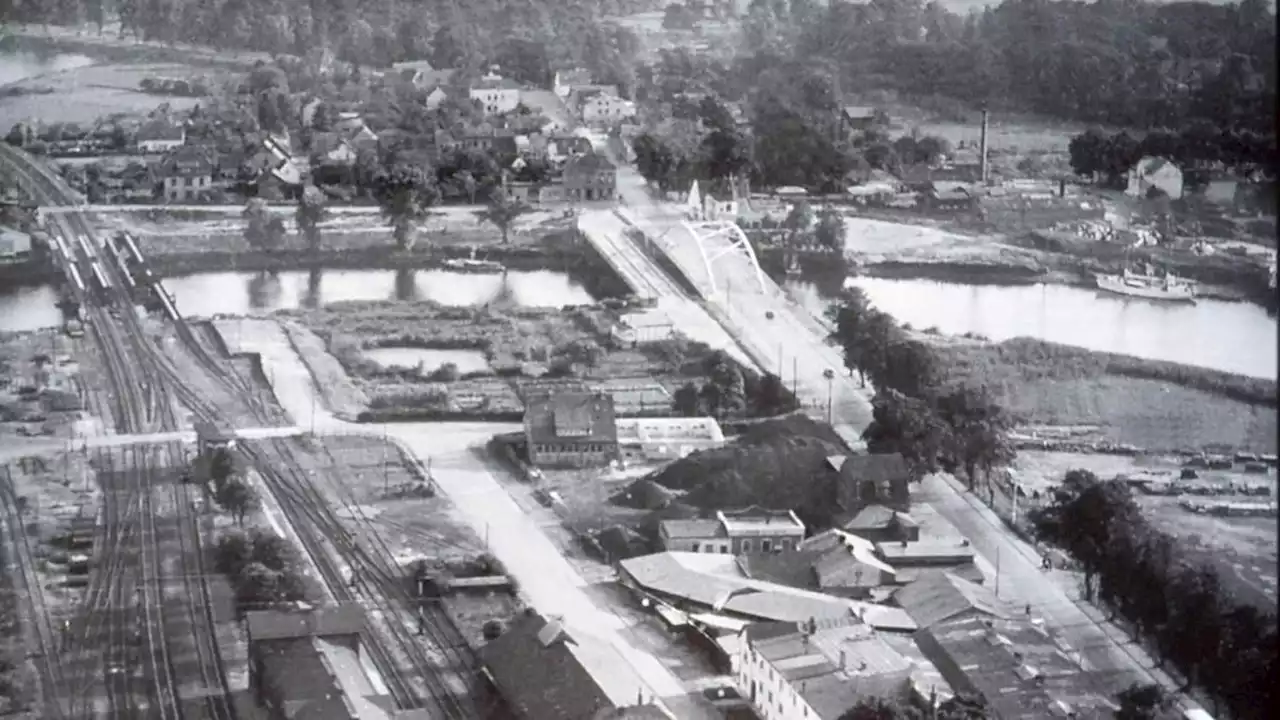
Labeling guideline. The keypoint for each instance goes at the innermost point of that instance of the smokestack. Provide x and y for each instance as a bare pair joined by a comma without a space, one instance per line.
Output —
982,150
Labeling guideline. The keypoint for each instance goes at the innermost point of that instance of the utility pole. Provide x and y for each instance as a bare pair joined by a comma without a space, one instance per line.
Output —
997,572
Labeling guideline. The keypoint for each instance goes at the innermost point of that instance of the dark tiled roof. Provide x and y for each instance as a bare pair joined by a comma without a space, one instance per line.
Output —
943,596
321,622
571,416
160,130
881,467
539,676
299,673
871,517
793,569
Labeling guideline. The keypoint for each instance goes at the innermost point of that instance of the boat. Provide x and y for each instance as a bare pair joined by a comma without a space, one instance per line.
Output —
1148,285
472,265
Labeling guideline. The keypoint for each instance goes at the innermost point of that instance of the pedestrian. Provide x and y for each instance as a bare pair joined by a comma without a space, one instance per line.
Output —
1028,609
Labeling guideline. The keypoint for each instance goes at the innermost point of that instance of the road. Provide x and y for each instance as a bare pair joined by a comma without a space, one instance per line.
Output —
805,357
550,582
789,344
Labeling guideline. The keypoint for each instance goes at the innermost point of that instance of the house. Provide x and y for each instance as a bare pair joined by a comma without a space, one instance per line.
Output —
589,178
817,670
1019,669
831,562
564,81
535,669
1154,174
535,193
913,560
496,94
753,530
571,429
601,108
560,148
160,136
878,523
944,597
305,665
950,196
871,479
186,175
858,118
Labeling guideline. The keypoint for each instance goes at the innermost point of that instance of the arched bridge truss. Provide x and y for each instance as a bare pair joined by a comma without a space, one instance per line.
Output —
717,239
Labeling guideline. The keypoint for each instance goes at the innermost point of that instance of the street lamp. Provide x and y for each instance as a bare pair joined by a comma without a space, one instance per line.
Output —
830,375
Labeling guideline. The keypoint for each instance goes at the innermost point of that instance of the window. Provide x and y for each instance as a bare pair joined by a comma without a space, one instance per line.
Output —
724,548
766,545
746,546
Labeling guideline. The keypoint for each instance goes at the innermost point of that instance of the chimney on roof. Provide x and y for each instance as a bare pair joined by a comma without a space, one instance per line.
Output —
844,660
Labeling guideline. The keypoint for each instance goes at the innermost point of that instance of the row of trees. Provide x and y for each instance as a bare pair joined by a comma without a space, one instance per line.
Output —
730,390
932,423
227,488
1137,702
1109,156
261,567
1176,602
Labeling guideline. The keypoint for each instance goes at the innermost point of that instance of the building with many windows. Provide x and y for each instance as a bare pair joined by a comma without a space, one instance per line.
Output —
737,532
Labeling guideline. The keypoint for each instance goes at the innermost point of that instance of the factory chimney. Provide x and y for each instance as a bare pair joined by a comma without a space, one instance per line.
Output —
982,150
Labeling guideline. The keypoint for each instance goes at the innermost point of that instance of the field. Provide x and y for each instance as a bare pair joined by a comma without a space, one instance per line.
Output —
1150,405
519,345
85,94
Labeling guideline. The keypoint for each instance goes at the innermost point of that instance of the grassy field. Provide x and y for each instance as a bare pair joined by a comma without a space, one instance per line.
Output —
1153,405
84,94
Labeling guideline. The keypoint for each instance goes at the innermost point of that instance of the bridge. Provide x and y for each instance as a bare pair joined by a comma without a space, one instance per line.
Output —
223,209
48,445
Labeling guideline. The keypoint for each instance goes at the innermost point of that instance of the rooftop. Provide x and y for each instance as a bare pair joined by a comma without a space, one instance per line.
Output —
759,521
494,82
691,529
943,596
711,580
845,555
589,162
320,622
877,517
161,129
658,430
538,674
858,112
1021,670
13,242
923,550
580,416
830,666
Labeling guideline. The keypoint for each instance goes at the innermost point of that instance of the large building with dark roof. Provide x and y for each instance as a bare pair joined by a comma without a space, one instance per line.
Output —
1021,671
571,429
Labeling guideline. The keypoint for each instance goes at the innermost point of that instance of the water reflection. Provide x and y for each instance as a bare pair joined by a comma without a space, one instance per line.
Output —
243,292
1230,336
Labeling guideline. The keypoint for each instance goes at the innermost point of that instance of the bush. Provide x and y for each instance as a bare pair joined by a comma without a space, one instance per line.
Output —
261,567
493,629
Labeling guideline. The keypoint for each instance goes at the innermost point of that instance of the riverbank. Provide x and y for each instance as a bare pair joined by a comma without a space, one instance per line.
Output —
1070,398
109,47
879,248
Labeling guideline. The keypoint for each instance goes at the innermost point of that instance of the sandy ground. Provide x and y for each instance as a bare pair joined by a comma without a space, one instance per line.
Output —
546,578
876,241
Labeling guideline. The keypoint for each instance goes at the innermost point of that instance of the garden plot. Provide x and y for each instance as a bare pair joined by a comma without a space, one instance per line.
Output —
518,346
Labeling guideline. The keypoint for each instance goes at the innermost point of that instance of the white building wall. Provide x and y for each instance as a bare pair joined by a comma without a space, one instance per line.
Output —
774,698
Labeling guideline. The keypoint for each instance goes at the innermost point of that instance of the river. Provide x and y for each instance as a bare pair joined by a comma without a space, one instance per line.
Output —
1231,336
15,66
240,293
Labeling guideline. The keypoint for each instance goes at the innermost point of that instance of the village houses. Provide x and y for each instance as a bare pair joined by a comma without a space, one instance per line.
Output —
571,429
752,530
590,177
160,136
496,94
186,175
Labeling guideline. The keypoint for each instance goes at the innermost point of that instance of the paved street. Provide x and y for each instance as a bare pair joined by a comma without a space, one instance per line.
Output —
463,473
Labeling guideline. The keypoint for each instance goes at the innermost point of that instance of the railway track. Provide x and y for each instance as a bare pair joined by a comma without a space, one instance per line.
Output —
308,511
134,413
48,665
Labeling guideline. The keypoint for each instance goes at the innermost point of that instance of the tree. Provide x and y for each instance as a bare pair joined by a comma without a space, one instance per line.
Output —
830,232
1142,702
874,708
404,192
265,230
798,221
232,553
311,211
237,498
502,212
221,465
686,401
963,707
724,391
584,352
656,160
978,430
769,396
677,17
851,332
493,629
908,426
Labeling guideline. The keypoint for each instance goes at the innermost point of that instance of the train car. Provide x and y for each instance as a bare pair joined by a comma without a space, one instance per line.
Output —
76,279
100,281
118,259
131,248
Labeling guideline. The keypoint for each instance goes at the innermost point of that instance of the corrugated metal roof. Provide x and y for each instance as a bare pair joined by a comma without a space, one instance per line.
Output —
320,622
941,597
691,529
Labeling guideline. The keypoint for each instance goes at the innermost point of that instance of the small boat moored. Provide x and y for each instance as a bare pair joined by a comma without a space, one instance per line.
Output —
472,265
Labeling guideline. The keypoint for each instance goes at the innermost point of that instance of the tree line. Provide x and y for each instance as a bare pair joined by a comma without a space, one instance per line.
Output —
916,412
1125,64
1173,600
1109,157
525,38
731,390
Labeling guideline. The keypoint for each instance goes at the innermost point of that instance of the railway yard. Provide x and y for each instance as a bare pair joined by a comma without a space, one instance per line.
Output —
125,614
